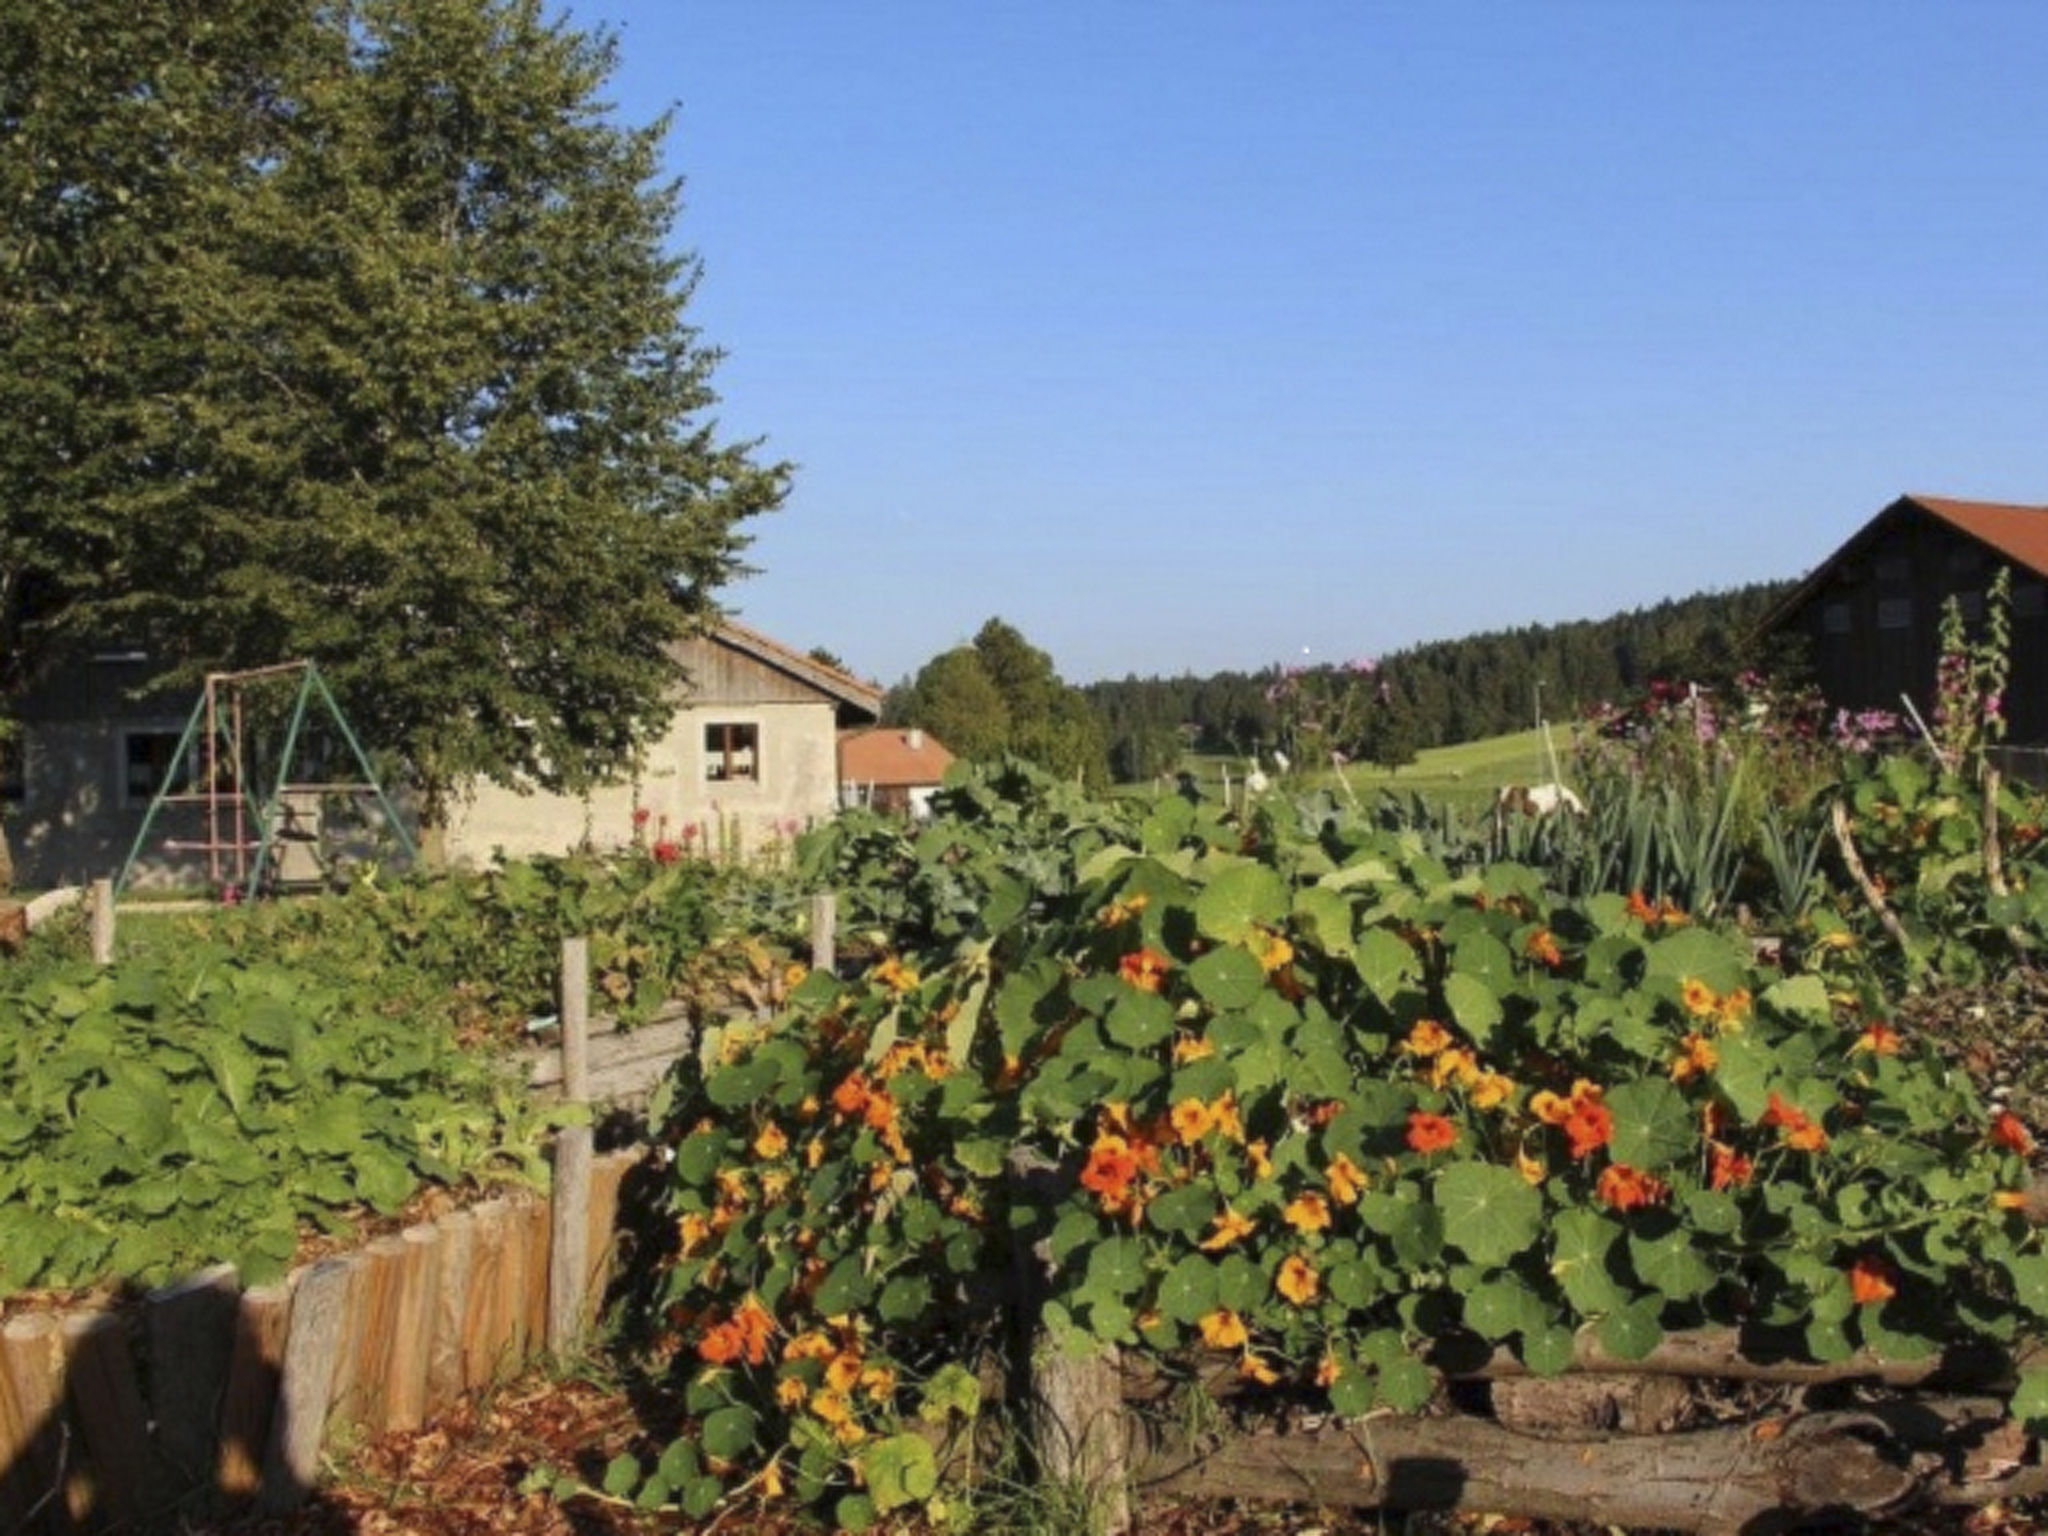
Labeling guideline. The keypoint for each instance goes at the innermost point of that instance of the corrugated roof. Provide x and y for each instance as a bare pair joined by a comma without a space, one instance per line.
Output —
890,755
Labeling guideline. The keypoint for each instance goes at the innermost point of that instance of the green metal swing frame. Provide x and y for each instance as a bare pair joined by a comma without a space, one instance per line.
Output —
233,811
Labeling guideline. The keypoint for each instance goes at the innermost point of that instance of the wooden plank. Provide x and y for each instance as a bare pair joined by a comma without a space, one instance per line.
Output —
412,1332
312,1356
190,1331
105,1398
31,1358
662,1039
452,1305
569,1240
254,1382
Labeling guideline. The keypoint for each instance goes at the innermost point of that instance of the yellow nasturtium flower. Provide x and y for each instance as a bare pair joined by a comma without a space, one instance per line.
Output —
1224,1329
1298,1280
1229,1227
1308,1213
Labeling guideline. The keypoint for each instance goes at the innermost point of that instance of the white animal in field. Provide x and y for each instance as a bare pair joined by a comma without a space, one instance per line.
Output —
1537,800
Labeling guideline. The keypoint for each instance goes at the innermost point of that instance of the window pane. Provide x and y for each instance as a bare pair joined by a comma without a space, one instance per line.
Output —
731,752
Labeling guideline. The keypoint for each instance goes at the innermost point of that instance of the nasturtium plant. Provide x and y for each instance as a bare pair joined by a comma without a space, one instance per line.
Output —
1291,1089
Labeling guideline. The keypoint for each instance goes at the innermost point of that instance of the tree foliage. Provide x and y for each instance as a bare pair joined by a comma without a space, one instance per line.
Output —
1448,691
1003,694
351,331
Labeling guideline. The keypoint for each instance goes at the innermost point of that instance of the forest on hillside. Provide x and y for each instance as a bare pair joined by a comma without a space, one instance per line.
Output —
1445,691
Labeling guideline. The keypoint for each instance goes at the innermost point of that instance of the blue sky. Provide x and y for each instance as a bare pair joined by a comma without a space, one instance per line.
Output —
1198,336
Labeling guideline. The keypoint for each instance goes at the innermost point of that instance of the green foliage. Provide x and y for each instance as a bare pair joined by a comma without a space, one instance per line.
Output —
1294,1088
163,1117
353,332
1002,695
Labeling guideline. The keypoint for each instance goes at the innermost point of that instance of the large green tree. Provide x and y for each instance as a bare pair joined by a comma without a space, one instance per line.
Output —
352,330
1003,694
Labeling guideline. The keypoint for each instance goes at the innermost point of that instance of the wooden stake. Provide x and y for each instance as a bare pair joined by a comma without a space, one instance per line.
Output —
824,931
575,1005
102,919
569,1250
319,1318
254,1384
1078,1431
453,1303
190,1328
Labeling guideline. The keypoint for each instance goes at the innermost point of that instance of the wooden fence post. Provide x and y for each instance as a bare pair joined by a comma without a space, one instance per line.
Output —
103,922
569,1251
1074,1402
824,931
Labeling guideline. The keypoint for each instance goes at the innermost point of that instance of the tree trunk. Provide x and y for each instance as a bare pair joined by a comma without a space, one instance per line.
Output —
1778,1475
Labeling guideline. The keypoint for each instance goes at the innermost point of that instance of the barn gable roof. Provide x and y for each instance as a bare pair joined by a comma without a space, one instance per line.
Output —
856,699
2017,531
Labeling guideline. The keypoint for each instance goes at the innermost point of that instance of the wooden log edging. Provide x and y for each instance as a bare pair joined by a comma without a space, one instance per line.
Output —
208,1395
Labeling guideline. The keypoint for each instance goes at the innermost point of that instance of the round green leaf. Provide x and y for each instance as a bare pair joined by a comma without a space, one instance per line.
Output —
1227,978
1239,897
1489,1212
1187,1294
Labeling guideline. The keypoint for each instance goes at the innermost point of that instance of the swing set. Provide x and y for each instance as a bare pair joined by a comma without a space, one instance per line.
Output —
246,823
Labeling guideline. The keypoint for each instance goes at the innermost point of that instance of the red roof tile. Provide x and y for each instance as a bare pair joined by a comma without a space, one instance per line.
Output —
2020,533
892,756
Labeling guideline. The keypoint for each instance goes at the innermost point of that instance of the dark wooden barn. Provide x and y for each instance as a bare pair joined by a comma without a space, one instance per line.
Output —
1870,614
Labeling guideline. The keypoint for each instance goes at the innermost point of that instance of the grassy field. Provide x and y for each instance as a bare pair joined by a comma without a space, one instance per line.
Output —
1468,775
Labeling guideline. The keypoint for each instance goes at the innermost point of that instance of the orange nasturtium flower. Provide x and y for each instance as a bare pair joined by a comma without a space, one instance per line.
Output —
1530,1168
1802,1132
1872,1278
1228,1228
1542,948
1590,1124
1192,1120
1626,1188
1696,1057
1490,1090
895,975
1252,1368
1308,1212
1144,969
1298,1280
1346,1180
1430,1133
1427,1038
1640,907
1224,1329
2008,1132
1729,1167
1273,951
1732,1009
1700,1000
743,1335
1192,1048
1110,1171
1457,1065
2009,1200
1880,1040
